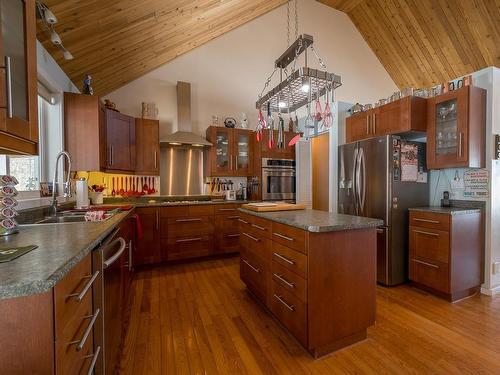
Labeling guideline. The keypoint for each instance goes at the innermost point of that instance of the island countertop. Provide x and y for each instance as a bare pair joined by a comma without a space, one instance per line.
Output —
447,210
318,221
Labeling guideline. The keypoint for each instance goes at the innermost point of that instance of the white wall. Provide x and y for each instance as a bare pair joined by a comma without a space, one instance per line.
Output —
228,73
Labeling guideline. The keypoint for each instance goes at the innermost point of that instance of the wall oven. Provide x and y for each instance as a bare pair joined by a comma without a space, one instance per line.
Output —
278,179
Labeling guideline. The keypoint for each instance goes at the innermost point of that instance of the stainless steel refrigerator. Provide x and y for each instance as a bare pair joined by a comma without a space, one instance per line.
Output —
372,183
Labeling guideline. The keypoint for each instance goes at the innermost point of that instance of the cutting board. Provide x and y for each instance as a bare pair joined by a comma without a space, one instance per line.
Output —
277,207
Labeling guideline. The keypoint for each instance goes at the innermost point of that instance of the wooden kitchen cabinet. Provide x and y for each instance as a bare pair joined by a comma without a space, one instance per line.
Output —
408,114
293,272
149,247
446,252
231,153
97,138
456,124
227,229
147,151
18,78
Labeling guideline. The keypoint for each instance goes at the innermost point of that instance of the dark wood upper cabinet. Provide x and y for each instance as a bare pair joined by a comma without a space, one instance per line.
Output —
18,78
456,129
404,115
98,139
147,150
231,153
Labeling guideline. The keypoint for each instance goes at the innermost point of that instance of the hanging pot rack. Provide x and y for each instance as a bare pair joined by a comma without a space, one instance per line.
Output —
289,90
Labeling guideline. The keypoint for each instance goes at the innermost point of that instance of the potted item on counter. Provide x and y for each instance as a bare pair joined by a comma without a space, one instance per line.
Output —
96,194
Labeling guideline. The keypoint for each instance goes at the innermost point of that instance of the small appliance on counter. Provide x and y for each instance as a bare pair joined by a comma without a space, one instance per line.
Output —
445,202
82,193
230,195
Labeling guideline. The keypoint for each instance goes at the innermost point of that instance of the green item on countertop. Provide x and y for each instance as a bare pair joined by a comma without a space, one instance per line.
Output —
11,253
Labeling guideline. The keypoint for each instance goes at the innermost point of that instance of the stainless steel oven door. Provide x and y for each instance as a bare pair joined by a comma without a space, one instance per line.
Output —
278,184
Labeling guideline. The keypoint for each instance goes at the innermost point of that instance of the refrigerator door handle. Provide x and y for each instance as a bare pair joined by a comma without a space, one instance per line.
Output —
357,178
362,193
354,180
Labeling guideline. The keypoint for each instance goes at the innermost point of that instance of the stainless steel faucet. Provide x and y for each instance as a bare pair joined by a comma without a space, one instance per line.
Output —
66,185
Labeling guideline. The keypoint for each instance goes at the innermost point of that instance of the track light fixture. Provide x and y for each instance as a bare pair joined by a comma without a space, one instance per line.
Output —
48,20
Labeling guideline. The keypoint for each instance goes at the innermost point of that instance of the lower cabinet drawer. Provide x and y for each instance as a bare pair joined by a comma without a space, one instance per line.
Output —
187,226
258,246
226,243
289,280
189,247
254,274
290,311
75,341
290,259
431,274
429,244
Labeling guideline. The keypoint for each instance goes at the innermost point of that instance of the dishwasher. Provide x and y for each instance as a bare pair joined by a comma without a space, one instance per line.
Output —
111,259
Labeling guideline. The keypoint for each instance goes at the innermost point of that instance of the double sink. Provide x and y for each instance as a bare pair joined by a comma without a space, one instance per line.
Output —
67,217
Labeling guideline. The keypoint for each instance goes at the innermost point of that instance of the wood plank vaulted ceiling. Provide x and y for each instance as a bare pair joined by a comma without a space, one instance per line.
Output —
419,42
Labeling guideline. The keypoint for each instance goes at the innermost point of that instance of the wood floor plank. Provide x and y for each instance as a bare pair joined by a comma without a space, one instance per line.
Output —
198,318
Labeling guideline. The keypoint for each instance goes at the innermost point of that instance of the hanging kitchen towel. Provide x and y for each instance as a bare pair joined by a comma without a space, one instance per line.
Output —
8,254
138,226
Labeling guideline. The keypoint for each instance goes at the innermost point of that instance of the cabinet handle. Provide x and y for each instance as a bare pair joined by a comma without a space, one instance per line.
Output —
367,125
425,263
284,281
195,239
284,259
460,137
8,71
251,237
243,221
258,227
80,296
94,357
111,154
227,209
233,235
249,265
235,162
380,230
289,307
374,123
156,162
188,220
427,221
130,264
283,236
426,233
88,330
233,217
157,214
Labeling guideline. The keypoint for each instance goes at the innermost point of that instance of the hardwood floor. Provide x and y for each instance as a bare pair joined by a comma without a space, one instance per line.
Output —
198,319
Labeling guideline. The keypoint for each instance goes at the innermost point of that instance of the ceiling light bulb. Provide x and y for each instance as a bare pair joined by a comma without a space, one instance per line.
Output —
282,105
49,16
55,38
67,55
305,87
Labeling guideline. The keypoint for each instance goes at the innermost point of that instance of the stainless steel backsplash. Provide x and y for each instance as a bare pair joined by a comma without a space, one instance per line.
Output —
181,170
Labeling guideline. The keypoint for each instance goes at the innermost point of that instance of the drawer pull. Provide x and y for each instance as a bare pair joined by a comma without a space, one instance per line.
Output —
94,357
243,221
189,240
233,235
233,217
380,230
285,259
88,330
425,263
426,233
258,227
251,237
289,307
227,209
80,296
283,280
427,221
283,236
188,220
249,265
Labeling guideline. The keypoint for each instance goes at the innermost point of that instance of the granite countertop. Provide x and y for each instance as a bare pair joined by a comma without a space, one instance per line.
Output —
447,210
165,202
318,221
60,248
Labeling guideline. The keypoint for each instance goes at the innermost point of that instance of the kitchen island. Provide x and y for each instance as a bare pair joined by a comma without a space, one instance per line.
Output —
314,271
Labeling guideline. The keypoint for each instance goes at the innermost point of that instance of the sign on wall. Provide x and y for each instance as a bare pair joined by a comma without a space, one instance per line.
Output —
476,183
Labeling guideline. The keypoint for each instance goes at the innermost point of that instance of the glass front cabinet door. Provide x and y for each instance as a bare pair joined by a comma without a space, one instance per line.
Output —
456,128
241,145
223,151
18,80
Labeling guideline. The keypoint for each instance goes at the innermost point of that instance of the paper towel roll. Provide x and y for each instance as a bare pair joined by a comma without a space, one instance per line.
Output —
82,193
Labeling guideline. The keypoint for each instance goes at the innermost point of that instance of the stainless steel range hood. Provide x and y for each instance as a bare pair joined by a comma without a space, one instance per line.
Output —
184,136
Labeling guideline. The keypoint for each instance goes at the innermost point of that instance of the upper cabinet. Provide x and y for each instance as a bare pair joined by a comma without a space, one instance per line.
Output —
231,152
98,139
456,129
147,150
403,115
18,78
